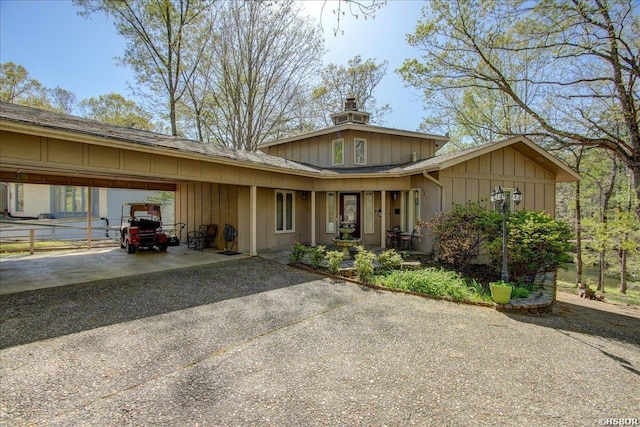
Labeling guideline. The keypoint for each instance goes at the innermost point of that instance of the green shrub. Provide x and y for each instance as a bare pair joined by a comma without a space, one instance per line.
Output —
536,243
364,263
460,233
298,251
316,256
334,258
389,259
435,282
519,292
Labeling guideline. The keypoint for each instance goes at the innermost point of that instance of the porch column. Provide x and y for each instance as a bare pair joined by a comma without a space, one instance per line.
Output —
253,198
313,218
383,219
89,215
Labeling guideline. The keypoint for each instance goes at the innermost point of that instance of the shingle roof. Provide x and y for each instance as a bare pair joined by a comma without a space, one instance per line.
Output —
63,122
82,126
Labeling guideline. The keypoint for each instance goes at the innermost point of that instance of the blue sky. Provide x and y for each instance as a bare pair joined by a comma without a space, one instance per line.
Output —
60,48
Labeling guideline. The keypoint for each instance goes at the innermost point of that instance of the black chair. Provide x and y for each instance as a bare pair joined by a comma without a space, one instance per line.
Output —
393,237
205,237
406,239
211,236
229,235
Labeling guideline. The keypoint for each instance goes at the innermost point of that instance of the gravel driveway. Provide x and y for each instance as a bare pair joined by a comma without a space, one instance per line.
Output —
252,342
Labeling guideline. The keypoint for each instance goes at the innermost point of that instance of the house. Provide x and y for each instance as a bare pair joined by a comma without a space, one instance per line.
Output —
294,189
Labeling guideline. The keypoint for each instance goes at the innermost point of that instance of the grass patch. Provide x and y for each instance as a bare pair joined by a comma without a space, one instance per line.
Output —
435,282
20,247
612,294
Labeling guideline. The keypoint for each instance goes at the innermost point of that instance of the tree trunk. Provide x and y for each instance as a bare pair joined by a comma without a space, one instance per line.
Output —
578,236
603,218
623,271
578,217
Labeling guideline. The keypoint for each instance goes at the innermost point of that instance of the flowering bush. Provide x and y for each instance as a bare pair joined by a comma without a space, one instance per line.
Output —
460,233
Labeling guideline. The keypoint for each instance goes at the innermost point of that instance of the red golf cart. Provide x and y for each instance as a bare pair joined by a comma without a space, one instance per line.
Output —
141,227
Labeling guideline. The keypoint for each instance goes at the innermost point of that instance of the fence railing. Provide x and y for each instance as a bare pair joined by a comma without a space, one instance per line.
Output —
25,231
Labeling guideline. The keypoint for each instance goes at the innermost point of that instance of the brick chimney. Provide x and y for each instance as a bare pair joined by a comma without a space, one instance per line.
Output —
350,114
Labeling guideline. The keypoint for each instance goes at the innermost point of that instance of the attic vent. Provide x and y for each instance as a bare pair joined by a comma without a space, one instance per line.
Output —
358,118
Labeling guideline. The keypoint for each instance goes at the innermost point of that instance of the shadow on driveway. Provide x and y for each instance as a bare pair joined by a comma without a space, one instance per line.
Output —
589,317
47,313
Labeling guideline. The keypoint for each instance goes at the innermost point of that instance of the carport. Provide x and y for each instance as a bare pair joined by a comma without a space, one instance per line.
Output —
212,184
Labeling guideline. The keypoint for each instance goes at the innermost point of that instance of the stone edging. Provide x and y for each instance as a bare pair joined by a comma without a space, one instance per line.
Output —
538,302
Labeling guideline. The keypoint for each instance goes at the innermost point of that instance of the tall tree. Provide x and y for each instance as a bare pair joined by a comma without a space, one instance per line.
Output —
265,58
358,79
115,109
159,34
587,61
18,87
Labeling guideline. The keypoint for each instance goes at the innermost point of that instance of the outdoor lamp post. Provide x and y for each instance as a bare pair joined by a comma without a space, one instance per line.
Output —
499,197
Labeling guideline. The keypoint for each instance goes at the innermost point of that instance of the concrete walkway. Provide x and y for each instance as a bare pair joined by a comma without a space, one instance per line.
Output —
41,270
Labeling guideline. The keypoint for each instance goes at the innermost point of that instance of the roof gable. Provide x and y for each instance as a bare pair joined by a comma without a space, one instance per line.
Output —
357,127
521,144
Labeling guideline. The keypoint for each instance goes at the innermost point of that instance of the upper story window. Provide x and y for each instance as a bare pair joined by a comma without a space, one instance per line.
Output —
360,151
337,152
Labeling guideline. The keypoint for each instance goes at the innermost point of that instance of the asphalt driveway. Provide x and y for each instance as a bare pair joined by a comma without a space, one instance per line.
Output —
253,342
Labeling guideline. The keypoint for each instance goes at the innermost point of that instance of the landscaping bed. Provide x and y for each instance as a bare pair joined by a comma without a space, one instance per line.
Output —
388,270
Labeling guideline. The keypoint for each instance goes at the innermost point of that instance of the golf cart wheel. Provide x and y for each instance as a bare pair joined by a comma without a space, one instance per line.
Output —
130,248
163,248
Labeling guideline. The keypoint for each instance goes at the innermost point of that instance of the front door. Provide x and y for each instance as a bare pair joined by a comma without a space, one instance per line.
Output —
350,210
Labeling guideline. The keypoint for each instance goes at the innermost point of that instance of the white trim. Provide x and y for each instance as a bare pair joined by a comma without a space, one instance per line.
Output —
334,143
330,224
284,211
369,213
355,151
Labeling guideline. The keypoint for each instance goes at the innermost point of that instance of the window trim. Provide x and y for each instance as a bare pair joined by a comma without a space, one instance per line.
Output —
355,151
331,223
334,144
284,211
369,213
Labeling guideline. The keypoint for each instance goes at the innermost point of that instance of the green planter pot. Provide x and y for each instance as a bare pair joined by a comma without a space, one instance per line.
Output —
501,294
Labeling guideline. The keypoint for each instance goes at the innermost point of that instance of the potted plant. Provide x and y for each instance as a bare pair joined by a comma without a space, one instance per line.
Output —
500,292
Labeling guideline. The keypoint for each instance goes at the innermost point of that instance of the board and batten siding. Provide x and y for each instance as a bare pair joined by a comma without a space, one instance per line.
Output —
199,203
473,180
382,149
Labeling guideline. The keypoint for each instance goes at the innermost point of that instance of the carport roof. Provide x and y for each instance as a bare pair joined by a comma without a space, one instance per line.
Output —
33,117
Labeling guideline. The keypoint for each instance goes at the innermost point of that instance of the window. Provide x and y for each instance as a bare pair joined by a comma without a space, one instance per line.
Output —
331,212
19,197
284,211
69,199
360,151
338,152
369,226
